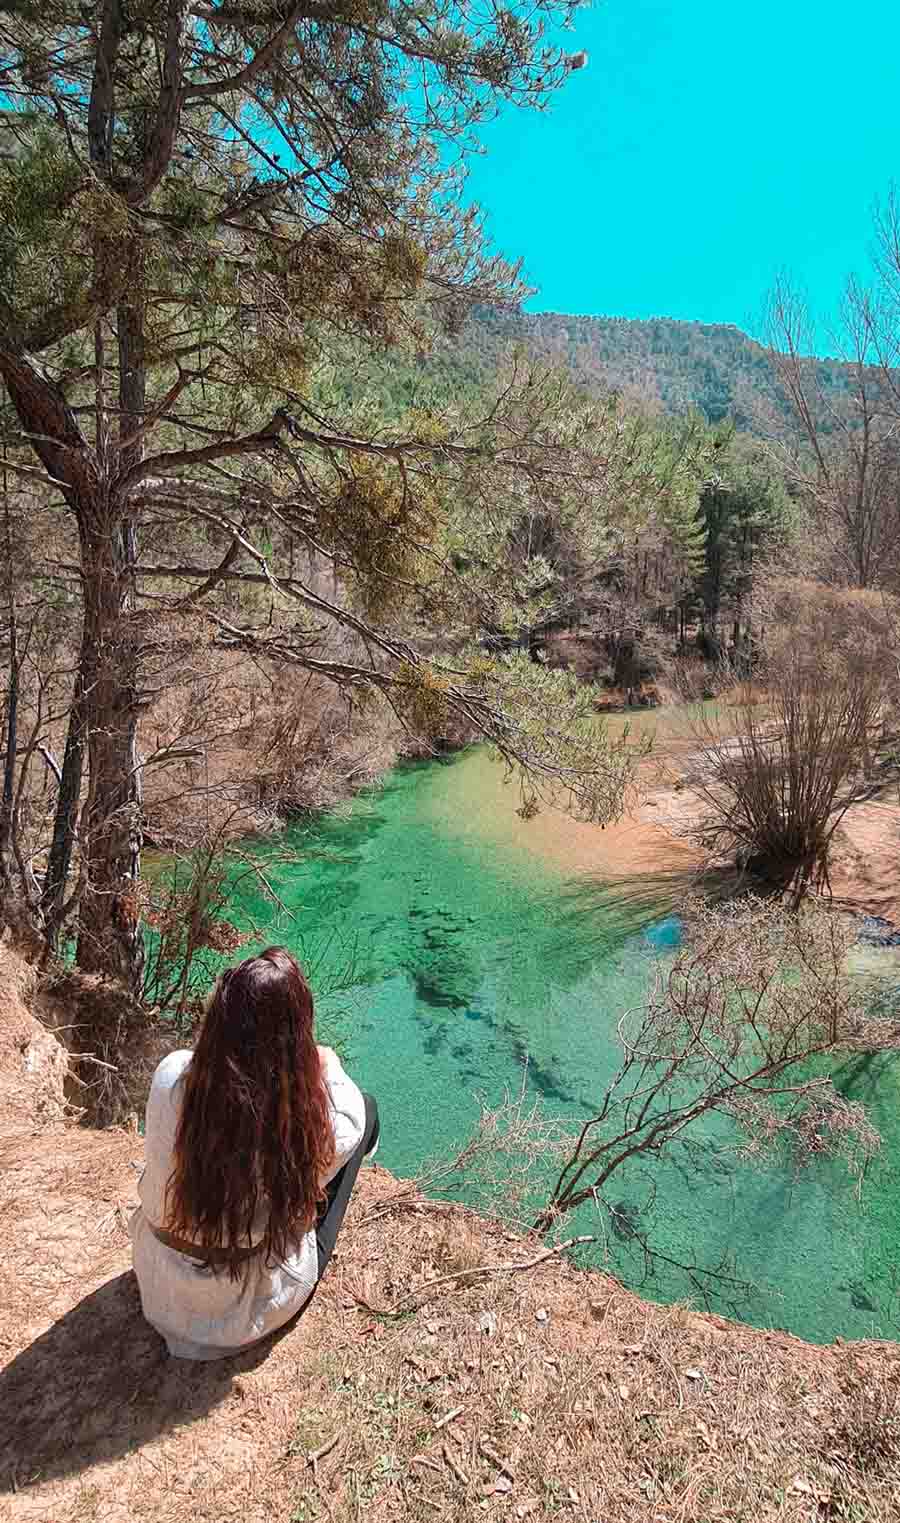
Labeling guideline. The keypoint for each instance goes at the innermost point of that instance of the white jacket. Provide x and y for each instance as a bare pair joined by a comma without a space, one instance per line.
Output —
203,1315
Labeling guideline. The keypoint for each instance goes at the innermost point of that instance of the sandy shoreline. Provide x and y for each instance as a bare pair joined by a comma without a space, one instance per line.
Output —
865,861
657,834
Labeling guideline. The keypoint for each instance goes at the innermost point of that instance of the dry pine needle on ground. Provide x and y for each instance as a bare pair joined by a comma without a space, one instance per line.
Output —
466,1405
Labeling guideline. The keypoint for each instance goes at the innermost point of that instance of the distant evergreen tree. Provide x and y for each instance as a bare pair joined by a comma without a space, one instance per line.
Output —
746,512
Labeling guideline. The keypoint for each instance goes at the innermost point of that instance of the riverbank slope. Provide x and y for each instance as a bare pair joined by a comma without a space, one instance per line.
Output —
514,1386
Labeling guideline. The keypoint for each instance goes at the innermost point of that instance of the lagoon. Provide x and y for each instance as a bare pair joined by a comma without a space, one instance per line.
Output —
462,949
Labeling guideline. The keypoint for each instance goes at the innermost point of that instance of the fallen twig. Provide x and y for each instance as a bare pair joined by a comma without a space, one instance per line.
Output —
455,1466
448,1417
412,1200
90,1057
420,1496
488,1269
496,1461
320,1454
421,1459
674,1374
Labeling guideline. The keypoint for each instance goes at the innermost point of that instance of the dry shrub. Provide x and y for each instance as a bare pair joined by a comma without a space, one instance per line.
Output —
743,1023
186,909
805,734
508,1162
864,1434
240,742
194,738
823,1126
312,747
859,627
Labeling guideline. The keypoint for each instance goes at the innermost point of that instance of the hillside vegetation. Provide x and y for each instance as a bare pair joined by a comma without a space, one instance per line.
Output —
661,362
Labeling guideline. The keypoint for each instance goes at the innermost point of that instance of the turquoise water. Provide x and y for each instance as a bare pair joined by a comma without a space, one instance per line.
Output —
453,954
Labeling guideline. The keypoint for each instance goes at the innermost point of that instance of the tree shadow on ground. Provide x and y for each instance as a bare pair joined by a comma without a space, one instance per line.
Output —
98,1384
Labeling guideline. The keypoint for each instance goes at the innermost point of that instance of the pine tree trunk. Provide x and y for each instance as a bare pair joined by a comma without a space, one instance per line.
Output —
65,819
109,931
11,711
10,740
103,722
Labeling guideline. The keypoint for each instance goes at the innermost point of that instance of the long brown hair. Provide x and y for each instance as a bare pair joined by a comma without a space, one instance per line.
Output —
255,1127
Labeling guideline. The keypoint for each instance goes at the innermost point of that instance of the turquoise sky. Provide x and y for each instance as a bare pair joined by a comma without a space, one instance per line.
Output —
707,144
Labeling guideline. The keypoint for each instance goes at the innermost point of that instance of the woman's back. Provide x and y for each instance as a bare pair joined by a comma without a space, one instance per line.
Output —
201,1310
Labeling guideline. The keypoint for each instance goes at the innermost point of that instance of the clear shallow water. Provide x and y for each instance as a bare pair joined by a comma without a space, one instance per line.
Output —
466,945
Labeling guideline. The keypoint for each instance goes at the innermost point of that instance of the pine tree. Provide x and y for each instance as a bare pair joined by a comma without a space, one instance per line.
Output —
204,211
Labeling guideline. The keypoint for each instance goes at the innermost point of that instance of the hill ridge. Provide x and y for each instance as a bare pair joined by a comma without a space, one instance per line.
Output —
667,365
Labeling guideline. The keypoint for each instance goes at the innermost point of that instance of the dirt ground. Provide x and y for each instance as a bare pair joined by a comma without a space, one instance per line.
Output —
865,872
446,1369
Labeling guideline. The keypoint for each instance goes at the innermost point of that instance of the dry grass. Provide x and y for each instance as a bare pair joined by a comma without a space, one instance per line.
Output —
545,1392
553,1393
459,1249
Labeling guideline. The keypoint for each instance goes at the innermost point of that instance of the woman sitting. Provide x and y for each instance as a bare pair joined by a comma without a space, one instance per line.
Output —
253,1144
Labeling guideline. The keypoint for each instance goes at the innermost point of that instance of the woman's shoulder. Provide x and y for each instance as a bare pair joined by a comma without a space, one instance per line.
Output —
170,1070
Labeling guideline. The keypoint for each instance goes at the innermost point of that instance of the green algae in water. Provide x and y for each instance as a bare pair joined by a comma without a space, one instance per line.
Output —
461,958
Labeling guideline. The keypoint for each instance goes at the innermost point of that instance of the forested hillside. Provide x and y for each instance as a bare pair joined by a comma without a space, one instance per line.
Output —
672,365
